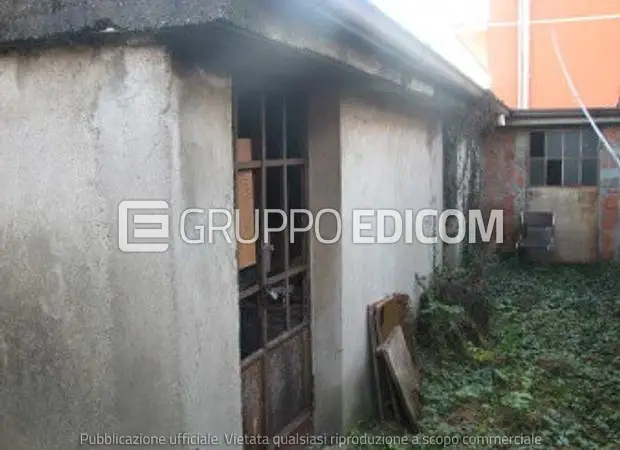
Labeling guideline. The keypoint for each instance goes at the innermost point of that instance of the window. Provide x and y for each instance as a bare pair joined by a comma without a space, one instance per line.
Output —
564,158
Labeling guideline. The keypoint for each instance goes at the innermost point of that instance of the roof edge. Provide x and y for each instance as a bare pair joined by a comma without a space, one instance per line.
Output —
373,25
561,116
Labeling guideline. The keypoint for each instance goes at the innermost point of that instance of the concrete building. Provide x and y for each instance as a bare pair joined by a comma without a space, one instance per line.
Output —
203,104
516,47
553,161
549,157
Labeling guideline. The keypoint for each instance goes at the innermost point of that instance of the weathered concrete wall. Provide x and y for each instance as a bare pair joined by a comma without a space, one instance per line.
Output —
576,220
363,156
93,340
206,278
327,269
390,160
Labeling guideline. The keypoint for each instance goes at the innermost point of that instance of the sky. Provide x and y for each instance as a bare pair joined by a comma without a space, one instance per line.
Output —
435,21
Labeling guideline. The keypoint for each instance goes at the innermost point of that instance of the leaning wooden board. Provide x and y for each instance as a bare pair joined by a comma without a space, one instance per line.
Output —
383,316
389,314
403,372
379,386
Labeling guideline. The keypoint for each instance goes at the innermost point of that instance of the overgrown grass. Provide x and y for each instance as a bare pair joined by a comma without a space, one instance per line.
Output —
549,366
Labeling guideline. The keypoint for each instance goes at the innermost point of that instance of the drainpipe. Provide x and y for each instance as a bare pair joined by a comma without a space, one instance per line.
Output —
519,52
526,52
523,62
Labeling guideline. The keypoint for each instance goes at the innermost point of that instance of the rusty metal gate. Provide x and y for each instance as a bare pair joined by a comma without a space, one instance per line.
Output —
270,129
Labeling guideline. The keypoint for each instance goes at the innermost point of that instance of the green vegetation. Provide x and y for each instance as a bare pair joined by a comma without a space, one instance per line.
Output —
539,354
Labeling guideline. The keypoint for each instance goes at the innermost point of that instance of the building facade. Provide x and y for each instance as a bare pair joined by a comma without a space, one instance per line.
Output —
553,161
517,49
549,157
212,105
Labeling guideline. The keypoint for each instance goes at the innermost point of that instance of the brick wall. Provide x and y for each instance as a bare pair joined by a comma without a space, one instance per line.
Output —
505,187
504,181
609,201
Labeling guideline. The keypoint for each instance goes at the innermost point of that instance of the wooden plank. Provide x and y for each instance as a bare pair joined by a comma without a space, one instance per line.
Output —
403,373
383,317
372,332
246,253
394,405
389,314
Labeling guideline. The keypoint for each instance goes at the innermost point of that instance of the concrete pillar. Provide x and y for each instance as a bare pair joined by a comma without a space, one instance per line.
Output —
363,156
326,270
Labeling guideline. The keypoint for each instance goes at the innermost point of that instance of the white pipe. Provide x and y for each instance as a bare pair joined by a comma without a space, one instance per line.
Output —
550,21
520,55
523,62
571,85
526,53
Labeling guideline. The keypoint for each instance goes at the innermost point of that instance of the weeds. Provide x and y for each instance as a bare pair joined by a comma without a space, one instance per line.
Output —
454,308
547,363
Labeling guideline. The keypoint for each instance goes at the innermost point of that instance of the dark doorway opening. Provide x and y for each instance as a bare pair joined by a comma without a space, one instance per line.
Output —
270,144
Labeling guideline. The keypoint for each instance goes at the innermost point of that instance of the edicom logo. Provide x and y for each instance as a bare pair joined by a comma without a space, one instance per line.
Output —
144,226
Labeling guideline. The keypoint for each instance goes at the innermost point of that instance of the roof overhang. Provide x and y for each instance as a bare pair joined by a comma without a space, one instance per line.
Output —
370,24
561,117
396,56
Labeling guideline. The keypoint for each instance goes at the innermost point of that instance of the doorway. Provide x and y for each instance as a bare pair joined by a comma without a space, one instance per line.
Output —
271,162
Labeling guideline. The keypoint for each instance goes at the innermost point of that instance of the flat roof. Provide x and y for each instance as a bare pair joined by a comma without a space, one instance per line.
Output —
39,20
46,20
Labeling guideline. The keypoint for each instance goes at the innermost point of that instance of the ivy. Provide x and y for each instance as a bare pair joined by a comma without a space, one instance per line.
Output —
549,363
468,126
